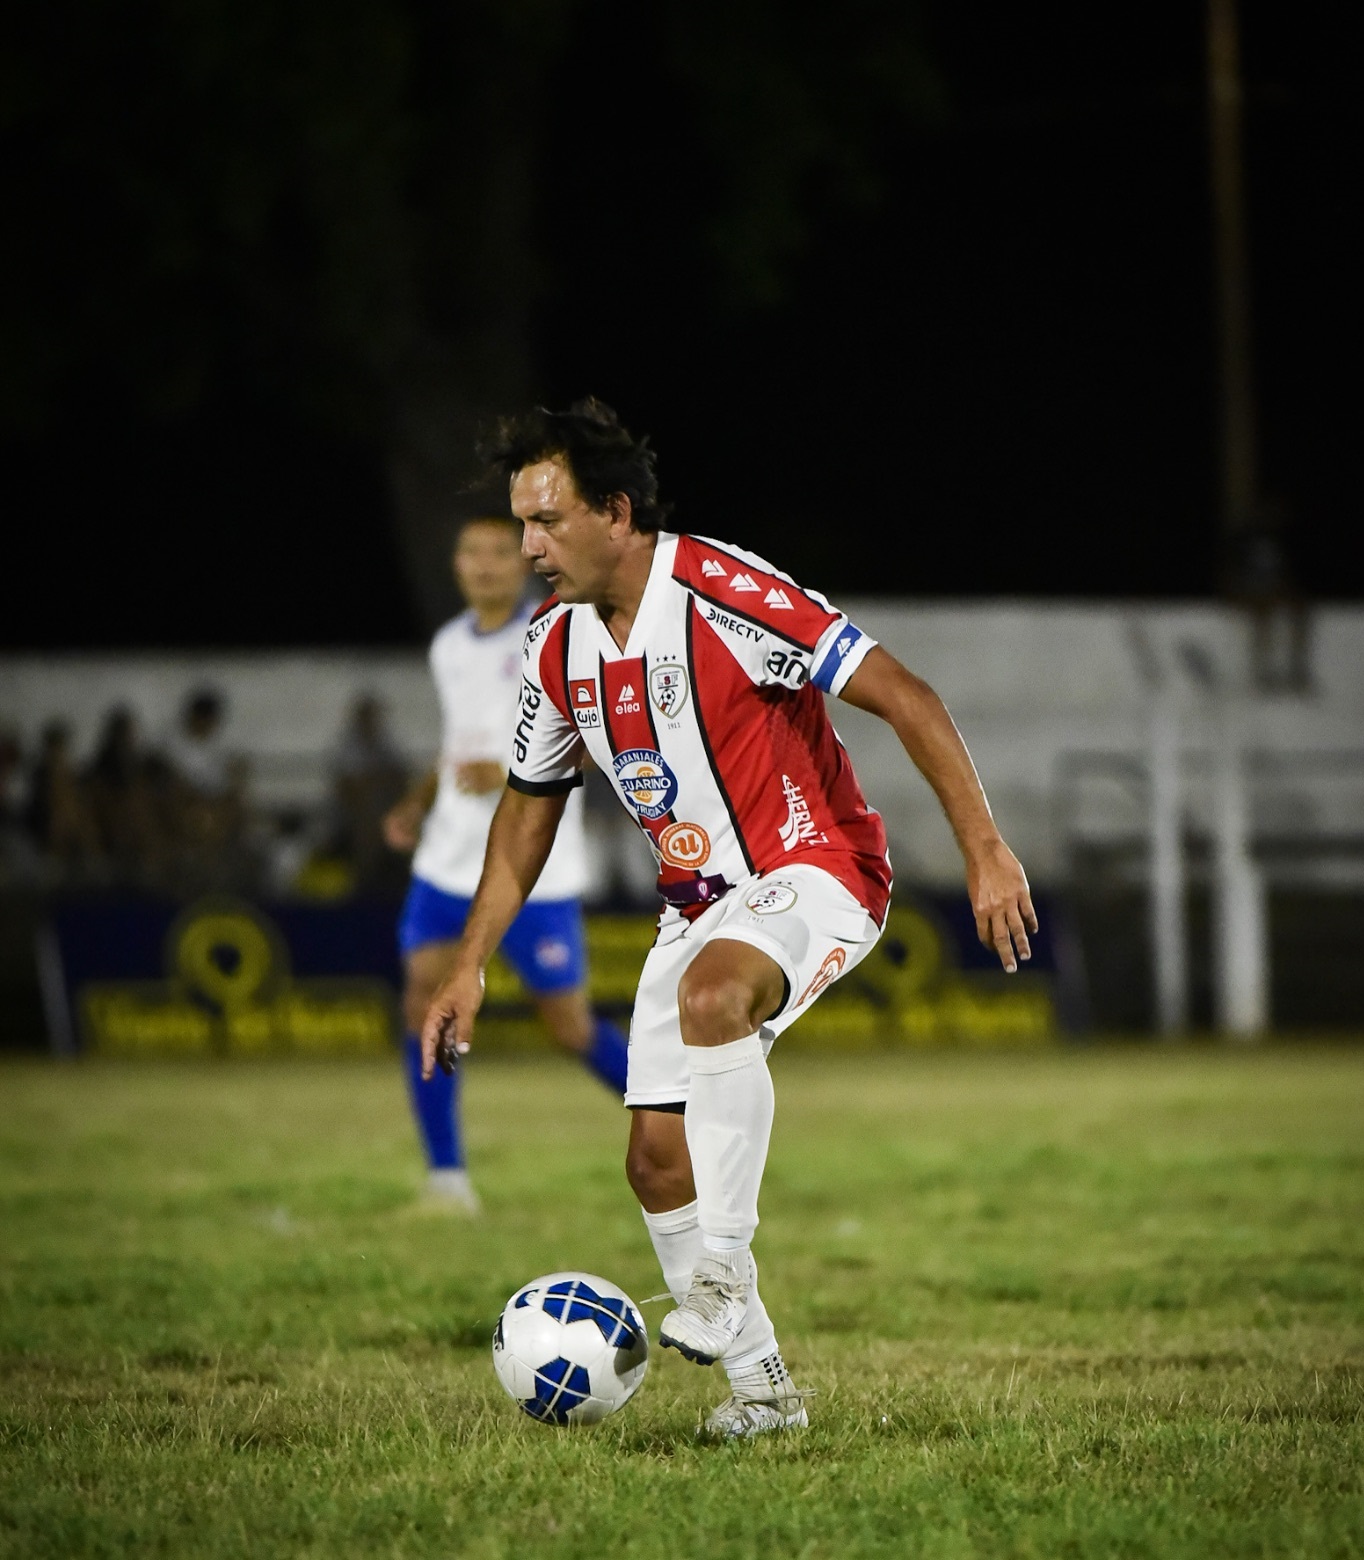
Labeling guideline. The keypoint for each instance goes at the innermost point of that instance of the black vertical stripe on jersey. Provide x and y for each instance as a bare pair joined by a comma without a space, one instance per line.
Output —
568,691
705,740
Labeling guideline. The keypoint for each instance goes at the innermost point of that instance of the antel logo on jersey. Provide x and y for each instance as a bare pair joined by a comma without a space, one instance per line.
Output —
648,784
668,688
772,900
627,701
582,700
684,845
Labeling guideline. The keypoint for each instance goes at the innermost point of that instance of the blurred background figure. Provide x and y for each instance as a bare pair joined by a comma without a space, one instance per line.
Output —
58,813
203,791
368,779
119,785
476,664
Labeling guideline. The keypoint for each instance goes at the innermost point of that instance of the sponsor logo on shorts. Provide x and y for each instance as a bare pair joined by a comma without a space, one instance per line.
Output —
772,899
646,781
825,975
684,845
553,953
668,688
582,700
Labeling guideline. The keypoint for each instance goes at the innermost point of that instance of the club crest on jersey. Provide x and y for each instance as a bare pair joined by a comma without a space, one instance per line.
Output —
772,899
684,845
668,688
646,782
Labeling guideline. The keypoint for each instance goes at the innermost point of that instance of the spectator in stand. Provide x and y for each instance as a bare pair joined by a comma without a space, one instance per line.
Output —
117,782
369,777
205,783
16,852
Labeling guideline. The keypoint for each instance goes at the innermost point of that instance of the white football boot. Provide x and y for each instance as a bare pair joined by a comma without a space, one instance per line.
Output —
707,1322
452,1191
762,1397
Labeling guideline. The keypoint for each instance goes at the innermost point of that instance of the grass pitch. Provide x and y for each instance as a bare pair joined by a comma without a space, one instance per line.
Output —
1103,1304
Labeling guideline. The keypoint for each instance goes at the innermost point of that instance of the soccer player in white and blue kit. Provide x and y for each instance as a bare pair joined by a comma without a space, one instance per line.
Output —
476,664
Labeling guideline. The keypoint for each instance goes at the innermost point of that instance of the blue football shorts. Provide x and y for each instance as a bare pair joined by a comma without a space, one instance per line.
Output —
544,944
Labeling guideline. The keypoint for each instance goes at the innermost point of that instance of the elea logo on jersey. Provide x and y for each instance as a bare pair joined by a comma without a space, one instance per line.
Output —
647,783
531,699
627,701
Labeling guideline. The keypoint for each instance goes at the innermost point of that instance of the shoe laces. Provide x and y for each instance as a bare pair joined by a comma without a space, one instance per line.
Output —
713,1290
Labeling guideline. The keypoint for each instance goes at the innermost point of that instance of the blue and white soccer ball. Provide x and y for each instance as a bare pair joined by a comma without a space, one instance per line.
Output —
570,1348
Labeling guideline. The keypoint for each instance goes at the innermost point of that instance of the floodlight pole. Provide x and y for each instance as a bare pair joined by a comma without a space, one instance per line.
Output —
1167,922
1238,475
1168,936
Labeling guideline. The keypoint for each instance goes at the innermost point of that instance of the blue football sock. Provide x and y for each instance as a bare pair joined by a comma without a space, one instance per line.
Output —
608,1055
435,1104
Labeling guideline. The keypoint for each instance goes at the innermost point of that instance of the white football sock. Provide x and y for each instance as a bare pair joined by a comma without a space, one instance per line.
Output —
677,1243
728,1124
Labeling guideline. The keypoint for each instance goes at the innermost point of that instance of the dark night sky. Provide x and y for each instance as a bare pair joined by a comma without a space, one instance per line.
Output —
995,379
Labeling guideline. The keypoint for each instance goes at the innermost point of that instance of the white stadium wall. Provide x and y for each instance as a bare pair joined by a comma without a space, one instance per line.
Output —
1051,699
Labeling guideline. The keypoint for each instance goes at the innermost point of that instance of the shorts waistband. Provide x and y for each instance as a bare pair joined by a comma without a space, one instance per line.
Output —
695,891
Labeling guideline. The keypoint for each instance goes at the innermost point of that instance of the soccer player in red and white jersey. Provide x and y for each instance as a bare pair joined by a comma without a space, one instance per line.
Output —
694,675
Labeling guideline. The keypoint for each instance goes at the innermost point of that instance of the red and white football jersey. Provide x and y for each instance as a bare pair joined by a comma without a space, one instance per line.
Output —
710,723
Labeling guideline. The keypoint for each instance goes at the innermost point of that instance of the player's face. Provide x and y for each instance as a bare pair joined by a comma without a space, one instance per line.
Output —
570,544
489,569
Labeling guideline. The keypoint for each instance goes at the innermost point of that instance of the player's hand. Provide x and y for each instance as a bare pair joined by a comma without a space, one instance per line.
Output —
403,825
1002,904
479,776
449,1025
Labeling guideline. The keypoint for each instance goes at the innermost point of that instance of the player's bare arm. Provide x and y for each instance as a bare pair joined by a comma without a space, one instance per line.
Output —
994,878
519,842
403,822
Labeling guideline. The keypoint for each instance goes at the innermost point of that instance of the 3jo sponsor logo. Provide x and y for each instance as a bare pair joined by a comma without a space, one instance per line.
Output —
582,700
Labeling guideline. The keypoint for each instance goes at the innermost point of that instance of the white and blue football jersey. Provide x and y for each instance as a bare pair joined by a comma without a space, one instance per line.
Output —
478,679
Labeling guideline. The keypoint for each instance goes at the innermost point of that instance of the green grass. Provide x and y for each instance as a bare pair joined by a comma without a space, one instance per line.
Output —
1105,1304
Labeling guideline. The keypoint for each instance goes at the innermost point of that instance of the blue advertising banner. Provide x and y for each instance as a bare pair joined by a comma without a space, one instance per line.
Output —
224,977
221,976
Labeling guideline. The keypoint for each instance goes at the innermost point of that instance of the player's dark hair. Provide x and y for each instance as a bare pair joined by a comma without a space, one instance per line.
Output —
602,455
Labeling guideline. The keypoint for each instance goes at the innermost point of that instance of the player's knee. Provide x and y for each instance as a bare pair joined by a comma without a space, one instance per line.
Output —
651,1170
715,1011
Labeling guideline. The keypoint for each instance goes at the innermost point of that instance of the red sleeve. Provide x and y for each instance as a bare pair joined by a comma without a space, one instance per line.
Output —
751,589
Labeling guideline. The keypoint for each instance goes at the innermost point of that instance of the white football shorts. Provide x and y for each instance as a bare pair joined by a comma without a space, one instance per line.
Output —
802,917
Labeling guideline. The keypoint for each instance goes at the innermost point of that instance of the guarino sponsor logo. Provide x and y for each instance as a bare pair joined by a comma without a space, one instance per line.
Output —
646,781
